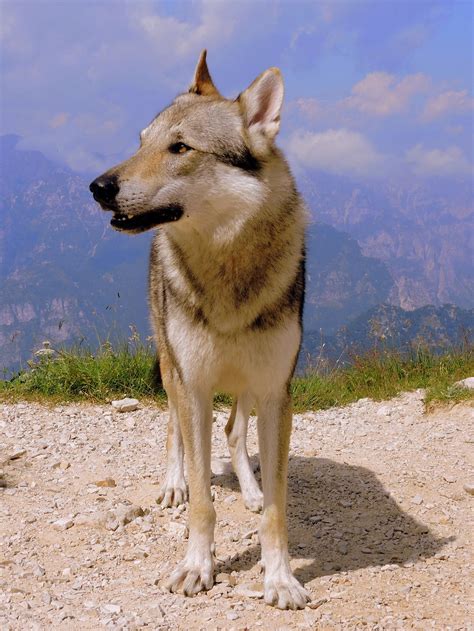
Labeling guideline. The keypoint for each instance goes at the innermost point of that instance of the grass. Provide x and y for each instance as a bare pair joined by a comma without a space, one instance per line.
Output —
78,375
382,375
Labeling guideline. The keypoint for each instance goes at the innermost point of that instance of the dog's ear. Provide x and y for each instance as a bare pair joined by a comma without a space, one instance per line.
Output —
202,82
261,103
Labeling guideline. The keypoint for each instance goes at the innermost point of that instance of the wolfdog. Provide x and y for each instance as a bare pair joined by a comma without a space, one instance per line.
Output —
226,290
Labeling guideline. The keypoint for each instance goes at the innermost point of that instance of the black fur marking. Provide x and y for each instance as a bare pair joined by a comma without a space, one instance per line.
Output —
187,307
182,264
244,160
166,342
291,301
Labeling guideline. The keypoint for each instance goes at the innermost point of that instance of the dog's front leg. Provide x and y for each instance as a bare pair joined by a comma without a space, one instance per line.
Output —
196,572
274,428
173,491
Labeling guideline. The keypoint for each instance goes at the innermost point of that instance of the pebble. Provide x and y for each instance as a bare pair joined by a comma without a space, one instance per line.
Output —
223,577
249,590
17,454
63,524
177,529
110,608
417,499
232,616
466,383
469,487
126,405
108,482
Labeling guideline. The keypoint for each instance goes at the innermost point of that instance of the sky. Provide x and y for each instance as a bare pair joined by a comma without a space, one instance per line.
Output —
373,88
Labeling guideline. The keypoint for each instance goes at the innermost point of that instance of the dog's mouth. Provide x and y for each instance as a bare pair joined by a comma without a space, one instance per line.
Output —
147,220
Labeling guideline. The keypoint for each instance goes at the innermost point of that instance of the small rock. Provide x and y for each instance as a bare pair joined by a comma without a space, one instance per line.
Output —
469,487
229,499
63,524
249,590
125,405
64,465
177,529
449,479
17,454
38,570
250,533
126,514
108,482
110,608
417,500
232,616
46,598
466,383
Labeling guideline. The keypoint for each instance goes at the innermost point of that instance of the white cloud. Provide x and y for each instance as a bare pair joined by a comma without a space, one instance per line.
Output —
339,151
379,93
216,23
438,162
447,103
310,108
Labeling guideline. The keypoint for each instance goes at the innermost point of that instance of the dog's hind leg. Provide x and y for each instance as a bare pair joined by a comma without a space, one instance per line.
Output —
173,491
274,428
236,431
196,572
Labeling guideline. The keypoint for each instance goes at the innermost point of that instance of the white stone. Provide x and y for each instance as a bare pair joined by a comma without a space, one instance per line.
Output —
249,590
63,524
110,608
125,405
466,383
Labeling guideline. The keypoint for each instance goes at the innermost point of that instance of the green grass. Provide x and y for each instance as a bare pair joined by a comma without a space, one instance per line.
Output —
382,375
77,375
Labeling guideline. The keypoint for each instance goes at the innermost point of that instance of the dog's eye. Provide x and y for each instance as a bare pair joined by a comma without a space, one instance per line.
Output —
178,147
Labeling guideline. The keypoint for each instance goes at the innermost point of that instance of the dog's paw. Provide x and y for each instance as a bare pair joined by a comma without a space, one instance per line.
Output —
253,499
172,494
284,591
192,576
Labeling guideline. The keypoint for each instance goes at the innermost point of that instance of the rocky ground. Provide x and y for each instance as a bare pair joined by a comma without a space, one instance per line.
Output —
379,511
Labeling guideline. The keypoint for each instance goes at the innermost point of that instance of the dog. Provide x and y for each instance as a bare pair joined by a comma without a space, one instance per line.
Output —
226,291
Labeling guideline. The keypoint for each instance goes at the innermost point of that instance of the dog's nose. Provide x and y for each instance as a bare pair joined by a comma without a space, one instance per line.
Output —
105,189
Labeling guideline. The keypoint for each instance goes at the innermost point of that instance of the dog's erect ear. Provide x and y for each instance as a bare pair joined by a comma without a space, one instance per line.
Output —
202,82
261,103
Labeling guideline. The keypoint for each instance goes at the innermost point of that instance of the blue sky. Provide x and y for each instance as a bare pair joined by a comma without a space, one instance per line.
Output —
373,88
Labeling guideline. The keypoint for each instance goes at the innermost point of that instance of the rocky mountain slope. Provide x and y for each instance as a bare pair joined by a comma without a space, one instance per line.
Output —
424,233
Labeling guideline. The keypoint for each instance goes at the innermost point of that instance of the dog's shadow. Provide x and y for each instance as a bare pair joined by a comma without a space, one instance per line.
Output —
341,518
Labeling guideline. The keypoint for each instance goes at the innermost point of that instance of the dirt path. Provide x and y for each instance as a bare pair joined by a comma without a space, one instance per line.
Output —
380,524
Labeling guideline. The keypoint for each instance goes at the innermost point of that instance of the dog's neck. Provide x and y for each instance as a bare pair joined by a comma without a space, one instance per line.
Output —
232,277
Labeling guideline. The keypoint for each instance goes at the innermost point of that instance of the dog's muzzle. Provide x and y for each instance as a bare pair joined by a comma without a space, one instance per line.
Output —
104,190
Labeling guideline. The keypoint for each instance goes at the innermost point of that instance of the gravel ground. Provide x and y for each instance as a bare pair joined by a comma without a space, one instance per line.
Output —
379,522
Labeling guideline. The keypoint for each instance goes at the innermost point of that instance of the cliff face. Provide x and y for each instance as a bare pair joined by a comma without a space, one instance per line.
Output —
64,274
423,233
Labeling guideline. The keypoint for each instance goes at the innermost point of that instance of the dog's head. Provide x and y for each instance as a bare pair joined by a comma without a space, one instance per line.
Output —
200,161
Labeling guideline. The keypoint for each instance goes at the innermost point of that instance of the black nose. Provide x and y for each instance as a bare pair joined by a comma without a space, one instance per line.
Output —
105,189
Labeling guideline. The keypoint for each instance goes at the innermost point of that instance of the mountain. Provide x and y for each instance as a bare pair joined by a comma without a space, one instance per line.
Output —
66,276
389,327
423,232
